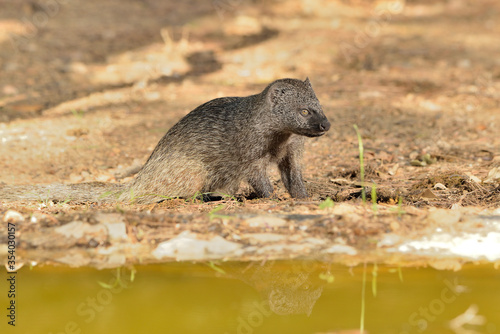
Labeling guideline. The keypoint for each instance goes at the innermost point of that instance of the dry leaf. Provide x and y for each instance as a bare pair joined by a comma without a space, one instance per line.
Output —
473,178
428,194
493,176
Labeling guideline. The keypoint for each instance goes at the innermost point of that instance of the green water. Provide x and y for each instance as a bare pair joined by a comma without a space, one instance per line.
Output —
238,298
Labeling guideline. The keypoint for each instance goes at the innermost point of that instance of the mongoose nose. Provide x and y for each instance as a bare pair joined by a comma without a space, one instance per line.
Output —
325,126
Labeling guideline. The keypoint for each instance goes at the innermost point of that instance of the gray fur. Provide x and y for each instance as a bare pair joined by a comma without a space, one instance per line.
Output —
229,140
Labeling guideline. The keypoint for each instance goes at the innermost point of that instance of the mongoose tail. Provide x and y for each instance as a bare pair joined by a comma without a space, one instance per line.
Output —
78,192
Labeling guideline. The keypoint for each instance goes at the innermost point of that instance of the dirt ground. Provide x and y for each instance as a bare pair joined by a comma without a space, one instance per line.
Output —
88,88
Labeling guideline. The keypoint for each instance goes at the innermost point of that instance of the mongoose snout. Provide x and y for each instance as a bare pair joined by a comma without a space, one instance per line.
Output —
325,126
322,127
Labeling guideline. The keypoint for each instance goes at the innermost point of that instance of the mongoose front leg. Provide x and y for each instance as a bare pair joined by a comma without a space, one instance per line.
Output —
291,176
260,183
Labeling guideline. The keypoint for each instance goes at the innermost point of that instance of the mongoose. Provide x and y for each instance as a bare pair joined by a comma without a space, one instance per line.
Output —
226,141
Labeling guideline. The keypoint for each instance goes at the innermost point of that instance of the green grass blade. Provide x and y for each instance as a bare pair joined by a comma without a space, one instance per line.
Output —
361,163
363,293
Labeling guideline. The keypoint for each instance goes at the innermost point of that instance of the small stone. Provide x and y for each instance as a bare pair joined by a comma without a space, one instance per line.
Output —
430,106
117,231
78,67
74,260
389,240
266,221
115,224
444,217
342,249
105,178
17,266
186,246
395,226
373,94
75,178
257,238
114,260
243,26
12,216
464,63
413,155
9,90
83,232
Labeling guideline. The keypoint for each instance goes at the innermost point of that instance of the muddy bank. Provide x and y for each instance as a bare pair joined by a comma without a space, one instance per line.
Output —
344,234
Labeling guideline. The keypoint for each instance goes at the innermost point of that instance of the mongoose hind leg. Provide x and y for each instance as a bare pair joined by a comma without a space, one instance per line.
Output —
260,183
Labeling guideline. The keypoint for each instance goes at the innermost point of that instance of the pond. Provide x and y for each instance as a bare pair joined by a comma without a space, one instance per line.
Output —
257,297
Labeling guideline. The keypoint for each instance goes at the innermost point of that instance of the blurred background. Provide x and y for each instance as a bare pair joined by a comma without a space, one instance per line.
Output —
87,88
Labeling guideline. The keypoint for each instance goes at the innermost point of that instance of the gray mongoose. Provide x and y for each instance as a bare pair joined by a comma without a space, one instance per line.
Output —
217,146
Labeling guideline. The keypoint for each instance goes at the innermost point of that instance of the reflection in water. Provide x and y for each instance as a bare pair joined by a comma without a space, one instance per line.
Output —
254,298
291,288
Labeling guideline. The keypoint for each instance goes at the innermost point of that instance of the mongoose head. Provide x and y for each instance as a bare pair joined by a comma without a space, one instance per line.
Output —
296,108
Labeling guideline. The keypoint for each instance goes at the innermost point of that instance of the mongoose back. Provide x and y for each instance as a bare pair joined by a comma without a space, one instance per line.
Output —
232,139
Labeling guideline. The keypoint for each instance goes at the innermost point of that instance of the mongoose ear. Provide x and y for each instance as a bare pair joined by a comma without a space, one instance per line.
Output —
277,92
307,82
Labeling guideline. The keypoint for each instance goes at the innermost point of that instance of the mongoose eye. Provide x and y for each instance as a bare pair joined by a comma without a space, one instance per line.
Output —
304,112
